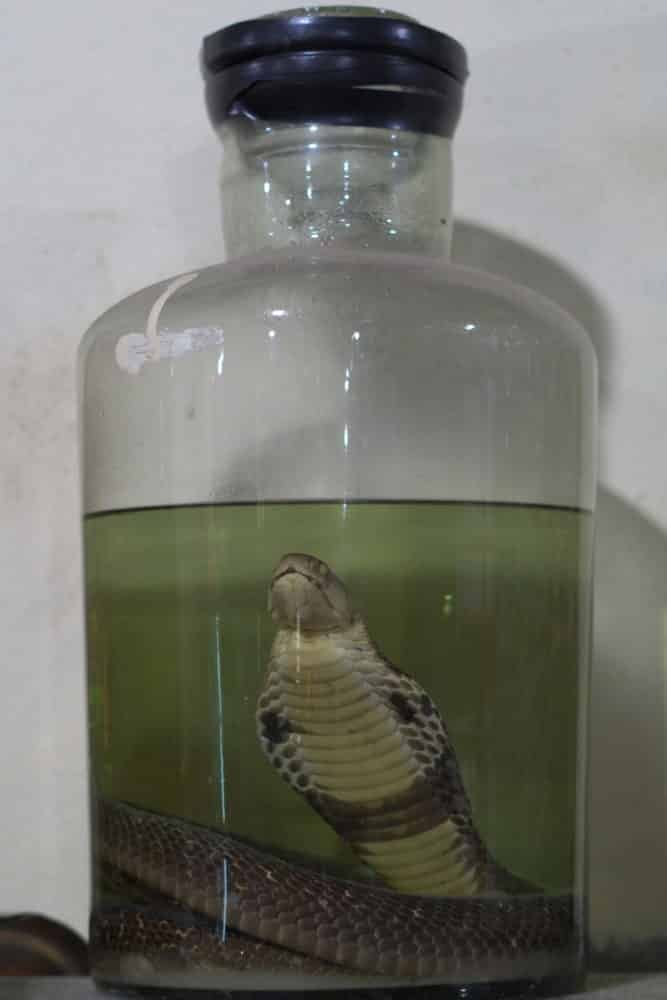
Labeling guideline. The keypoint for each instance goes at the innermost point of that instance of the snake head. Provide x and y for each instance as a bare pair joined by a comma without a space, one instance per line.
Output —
306,594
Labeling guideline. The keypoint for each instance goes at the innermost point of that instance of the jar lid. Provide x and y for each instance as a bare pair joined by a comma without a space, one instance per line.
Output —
332,66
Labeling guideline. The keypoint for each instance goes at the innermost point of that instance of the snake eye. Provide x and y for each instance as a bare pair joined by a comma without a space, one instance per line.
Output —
323,569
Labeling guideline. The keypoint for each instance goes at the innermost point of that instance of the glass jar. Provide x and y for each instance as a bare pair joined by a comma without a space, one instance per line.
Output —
338,507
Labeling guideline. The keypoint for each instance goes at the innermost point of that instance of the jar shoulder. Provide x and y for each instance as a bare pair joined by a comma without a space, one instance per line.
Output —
392,291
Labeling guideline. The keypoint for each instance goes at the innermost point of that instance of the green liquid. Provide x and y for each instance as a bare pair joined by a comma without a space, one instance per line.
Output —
485,605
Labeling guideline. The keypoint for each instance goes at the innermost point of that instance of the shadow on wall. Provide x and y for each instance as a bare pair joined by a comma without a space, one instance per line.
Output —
628,828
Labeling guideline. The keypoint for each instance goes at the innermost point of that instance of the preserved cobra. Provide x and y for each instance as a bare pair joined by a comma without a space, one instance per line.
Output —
367,747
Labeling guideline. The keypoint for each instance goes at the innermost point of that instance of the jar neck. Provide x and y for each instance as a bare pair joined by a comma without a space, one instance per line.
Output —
335,186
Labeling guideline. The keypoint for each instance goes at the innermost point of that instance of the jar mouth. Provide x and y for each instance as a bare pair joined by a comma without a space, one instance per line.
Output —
285,140
319,66
342,30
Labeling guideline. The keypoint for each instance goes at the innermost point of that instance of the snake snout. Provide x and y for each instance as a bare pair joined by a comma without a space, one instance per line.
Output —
306,594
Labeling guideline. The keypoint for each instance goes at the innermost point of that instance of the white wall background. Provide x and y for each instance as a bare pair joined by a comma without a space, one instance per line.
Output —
108,179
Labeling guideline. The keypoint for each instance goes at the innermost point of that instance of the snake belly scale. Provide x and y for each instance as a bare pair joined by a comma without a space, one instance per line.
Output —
368,749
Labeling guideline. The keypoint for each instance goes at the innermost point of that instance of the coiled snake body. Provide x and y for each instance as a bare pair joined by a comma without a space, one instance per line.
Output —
364,743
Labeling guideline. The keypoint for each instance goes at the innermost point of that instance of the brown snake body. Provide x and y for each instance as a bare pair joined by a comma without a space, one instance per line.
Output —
367,747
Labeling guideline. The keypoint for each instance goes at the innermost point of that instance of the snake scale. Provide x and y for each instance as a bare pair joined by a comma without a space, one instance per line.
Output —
368,749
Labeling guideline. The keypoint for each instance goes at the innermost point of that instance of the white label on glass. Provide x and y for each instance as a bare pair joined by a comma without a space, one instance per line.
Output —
134,350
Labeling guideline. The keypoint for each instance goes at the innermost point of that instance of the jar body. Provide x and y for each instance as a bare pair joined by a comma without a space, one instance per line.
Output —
426,431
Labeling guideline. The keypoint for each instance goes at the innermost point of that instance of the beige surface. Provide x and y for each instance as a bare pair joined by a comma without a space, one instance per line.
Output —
627,988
